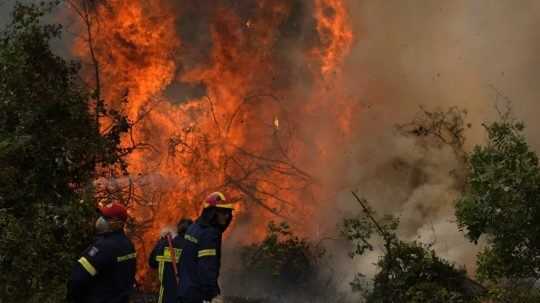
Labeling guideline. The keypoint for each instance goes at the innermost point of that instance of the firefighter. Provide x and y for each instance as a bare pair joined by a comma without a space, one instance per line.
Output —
200,262
106,270
162,256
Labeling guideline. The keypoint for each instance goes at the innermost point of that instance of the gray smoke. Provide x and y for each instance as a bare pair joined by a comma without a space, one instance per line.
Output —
476,55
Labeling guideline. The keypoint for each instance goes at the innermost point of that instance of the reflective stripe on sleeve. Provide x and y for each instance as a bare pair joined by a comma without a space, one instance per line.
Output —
126,257
191,238
87,266
207,253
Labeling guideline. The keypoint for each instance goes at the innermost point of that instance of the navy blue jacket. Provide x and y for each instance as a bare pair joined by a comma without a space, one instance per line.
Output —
200,263
105,273
161,258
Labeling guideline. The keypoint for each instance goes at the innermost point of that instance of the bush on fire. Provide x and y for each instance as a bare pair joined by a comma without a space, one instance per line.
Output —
49,147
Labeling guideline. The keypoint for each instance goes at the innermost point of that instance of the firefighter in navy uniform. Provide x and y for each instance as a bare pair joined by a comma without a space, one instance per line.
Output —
200,262
105,273
161,258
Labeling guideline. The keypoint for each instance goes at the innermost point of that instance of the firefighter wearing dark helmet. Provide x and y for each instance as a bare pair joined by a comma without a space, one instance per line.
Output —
200,262
162,256
105,272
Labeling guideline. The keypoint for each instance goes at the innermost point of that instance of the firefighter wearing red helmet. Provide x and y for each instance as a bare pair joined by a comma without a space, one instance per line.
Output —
201,257
105,272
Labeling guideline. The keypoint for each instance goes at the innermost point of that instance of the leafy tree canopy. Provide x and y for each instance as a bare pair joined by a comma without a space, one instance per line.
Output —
50,146
501,202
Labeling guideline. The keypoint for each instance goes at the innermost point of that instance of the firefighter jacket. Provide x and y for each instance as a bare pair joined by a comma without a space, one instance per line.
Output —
200,263
161,258
105,273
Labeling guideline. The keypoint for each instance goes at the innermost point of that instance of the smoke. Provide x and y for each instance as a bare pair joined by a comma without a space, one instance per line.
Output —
446,53
473,55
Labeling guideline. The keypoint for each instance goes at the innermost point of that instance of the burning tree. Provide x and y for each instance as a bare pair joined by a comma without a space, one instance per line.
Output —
220,110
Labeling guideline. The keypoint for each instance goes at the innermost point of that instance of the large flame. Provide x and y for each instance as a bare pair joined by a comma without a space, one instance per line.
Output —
219,96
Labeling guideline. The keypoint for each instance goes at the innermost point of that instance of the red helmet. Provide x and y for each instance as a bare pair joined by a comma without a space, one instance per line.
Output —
114,211
217,199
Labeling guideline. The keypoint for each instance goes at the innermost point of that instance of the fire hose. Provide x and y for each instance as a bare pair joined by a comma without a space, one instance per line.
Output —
173,259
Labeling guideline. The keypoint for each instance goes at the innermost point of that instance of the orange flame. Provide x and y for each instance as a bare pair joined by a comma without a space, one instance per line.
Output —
265,67
334,32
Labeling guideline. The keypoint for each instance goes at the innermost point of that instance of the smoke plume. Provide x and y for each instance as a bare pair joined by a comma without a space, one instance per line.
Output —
474,55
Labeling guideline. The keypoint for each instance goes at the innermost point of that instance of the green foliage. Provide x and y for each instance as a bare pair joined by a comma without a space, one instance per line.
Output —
281,258
407,272
501,203
50,146
38,250
282,267
359,230
412,272
512,294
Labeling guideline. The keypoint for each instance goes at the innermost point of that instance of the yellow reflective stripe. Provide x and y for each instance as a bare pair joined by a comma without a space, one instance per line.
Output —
228,206
87,266
126,257
207,252
166,259
160,300
191,239
161,266
163,259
